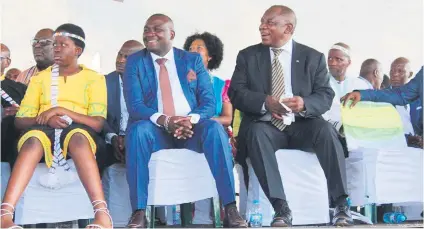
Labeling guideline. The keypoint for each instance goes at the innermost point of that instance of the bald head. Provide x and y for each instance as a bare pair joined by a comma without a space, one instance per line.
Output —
287,13
159,34
277,26
128,48
400,72
371,70
4,58
44,33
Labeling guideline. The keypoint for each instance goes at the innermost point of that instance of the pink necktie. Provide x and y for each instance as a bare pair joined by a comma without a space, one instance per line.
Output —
165,87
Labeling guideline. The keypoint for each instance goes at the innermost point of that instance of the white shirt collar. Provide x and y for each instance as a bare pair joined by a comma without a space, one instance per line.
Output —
168,56
287,47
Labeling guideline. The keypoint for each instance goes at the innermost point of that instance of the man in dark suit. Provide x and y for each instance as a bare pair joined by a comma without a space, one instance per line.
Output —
279,69
170,100
117,114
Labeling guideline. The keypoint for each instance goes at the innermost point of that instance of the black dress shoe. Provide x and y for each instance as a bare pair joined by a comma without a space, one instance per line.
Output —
342,216
282,218
232,218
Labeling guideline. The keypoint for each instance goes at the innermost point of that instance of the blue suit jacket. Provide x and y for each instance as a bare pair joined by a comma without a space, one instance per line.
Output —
141,85
407,94
114,104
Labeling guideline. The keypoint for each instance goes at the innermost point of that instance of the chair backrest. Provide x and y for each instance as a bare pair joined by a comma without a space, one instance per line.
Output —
373,125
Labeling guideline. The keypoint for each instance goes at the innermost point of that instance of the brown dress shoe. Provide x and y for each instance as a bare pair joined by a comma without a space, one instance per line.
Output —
138,219
233,218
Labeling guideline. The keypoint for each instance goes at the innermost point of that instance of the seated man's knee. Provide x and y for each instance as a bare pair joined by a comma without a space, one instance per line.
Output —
257,129
326,130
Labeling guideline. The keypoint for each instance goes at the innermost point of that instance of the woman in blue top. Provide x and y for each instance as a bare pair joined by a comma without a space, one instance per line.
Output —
211,49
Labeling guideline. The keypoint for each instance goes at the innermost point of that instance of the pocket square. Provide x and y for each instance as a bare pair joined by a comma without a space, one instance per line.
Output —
191,76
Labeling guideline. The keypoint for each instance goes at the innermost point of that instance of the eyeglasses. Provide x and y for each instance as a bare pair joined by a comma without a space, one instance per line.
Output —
4,57
42,42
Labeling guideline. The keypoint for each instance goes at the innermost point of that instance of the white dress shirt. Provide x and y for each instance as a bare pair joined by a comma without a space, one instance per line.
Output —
405,116
182,107
123,122
341,88
285,59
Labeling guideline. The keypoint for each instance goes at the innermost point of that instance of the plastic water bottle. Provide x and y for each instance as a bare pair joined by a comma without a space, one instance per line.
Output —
394,217
176,215
255,215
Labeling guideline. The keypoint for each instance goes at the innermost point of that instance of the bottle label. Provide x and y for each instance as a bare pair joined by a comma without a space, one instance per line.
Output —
256,219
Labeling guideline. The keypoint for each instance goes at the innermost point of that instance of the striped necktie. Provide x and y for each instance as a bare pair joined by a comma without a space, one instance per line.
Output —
278,85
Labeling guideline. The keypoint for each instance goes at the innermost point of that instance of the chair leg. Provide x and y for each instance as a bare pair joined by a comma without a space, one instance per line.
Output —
152,216
186,214
370,211
216,212
82,223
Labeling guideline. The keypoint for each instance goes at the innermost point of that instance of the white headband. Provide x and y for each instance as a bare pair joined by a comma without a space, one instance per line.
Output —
341,48
65,34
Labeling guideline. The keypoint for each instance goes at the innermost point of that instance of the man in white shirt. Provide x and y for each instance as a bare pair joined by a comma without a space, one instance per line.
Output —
371,76
170,100
338,61
117,114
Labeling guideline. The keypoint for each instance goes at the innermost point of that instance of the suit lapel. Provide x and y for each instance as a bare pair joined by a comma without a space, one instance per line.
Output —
182,71
297,65
118,97
263,58
150,71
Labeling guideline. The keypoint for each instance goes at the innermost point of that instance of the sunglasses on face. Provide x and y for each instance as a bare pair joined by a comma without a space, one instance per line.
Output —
42,42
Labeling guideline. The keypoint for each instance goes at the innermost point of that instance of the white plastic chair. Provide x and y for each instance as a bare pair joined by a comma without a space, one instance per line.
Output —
177,176
41,205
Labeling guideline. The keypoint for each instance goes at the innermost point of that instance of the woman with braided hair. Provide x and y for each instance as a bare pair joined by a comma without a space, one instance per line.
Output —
61,115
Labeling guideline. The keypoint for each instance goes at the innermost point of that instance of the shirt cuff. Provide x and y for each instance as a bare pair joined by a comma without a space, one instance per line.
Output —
154,118
263,110
109,137
195,117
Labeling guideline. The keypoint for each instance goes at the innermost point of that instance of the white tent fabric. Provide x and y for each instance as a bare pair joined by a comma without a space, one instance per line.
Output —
40,205
176,176
305,186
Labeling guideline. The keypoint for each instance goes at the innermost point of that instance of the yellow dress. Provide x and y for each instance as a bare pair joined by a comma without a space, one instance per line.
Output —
84,93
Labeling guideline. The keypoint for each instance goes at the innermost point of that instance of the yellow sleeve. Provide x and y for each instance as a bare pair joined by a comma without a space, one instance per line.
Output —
30,105
97,94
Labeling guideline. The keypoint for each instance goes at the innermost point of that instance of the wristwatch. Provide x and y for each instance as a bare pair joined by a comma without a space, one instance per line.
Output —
194,119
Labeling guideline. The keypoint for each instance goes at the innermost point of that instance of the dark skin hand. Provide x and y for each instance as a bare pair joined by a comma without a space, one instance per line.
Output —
57,123
274,107
179,126
119,148
11,111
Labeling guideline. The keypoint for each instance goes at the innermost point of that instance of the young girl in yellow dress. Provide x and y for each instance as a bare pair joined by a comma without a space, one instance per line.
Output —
61,115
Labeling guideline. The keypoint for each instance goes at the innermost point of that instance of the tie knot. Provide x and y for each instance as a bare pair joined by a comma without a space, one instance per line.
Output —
161,61
277,52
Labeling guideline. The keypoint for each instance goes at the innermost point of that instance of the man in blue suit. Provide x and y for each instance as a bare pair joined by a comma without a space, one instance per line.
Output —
406,94
117,114
170,100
